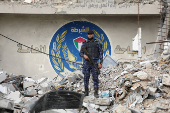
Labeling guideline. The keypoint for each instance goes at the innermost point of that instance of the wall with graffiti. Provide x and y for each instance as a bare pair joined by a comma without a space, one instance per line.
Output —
61,36
67,41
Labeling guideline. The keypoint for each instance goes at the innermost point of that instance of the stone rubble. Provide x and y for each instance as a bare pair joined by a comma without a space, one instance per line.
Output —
130,87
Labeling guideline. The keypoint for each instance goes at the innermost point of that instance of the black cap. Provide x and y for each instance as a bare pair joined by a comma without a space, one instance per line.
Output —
90,32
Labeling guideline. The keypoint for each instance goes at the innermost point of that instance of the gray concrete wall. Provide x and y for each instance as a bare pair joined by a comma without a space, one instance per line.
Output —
81,8
38,30
147,7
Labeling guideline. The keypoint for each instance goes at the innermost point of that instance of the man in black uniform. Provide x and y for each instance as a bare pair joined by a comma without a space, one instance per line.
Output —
94,48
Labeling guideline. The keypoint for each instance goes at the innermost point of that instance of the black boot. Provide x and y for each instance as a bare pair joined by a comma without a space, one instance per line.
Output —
86,91
96,92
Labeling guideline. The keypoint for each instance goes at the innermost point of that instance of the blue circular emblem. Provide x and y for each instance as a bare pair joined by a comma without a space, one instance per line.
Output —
67,41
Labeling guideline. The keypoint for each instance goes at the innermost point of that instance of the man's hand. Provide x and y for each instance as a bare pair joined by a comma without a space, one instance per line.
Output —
100,66
86,57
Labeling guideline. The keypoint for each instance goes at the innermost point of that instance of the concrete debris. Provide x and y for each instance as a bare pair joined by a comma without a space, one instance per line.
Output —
165,57
130,87
6,103
15,96
89,99
4,89
166,79
152,90
3,76
103,101
121,109
142,75
9,86
28,84
148,65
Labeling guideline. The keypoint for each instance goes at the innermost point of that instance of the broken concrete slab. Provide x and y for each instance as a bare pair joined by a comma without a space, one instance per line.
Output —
152,90
90,99
121,109
135,86
6,103
15,96
4,89
165,57
103,101
40,81
3,76
148,65
166,79
32,92
128,67
142,75
148,111
91,108
29,79
44,86
30,102
128,84
107,61
103,108
10,86
27,84
72,78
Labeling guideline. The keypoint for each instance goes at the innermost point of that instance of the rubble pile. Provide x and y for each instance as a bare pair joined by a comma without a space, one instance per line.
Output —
130,87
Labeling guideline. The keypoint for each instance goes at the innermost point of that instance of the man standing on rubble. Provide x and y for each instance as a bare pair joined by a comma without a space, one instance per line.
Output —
94,48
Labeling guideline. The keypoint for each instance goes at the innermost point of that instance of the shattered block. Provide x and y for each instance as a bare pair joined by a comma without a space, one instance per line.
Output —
148,65
32,92
128,84
72,78
10,86
44,86
152,90
128,67
6,103
121,109
3,76
15,96
142,75
103,108
28,84
40,81
166,79
135,86
165,57
103,101
4,89
89,99
30,102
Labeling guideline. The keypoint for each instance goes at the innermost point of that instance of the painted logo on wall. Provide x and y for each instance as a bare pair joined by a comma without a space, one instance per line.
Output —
66,43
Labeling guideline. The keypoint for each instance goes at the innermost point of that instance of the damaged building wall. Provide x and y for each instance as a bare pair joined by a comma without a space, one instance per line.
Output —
38,30
79,6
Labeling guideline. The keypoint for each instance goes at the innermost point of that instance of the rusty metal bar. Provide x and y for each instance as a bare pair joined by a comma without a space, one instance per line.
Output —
157,42
161,27
161,35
